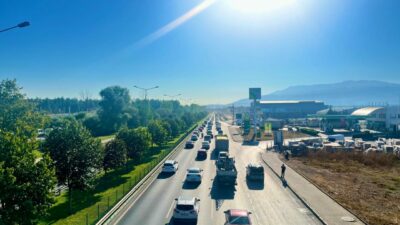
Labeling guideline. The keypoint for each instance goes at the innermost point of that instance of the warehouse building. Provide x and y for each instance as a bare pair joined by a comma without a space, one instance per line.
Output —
290,109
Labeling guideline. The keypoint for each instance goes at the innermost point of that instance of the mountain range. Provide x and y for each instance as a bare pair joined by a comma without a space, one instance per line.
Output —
346,93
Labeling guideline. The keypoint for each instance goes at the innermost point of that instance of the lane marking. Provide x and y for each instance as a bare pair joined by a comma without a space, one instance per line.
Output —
169,210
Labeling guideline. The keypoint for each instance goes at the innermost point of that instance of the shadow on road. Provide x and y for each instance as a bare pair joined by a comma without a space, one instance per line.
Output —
164,175
219,193
284,182
190,186
255,185
173,222
250,143
214,154
200,158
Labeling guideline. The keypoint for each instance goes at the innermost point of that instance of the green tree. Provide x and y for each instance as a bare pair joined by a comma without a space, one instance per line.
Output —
15,111
137,141
174,126
77,155
25,181
158,133
114,105
115,154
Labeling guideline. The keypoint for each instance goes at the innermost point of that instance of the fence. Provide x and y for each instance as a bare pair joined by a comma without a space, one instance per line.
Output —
100,209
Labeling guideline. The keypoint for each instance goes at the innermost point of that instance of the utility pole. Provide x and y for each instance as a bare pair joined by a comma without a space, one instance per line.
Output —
233,114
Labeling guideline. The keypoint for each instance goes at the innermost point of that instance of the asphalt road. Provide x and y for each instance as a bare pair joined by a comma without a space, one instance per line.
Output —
270,203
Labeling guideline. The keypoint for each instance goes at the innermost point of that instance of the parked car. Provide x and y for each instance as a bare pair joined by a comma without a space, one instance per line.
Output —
194,175
237,217
186,209
205,144
189,144
202,153
170,166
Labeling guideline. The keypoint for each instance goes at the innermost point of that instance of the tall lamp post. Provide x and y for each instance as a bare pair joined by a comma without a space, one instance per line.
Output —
20,25
145,90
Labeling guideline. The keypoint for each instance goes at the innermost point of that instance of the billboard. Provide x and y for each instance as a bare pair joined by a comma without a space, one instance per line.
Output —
254,93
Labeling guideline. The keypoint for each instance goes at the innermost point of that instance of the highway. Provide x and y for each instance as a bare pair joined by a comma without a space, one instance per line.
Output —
270,203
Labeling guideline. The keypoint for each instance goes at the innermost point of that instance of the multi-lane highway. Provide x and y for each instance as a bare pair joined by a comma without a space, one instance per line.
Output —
270,203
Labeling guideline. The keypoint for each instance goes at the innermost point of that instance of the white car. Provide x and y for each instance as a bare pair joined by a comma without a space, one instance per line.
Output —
186,209
194,175
170,166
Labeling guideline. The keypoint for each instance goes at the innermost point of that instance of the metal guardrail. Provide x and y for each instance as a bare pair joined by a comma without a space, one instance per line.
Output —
144,180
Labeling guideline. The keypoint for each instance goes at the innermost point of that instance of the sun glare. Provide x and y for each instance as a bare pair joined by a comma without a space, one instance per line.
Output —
259,6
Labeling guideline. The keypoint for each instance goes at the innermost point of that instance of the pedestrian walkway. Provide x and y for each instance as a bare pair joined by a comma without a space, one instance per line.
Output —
326,208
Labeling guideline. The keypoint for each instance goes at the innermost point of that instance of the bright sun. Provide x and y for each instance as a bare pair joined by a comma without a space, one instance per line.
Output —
259,6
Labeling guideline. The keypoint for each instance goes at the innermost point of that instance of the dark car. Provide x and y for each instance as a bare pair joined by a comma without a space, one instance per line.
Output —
189,144
202,154
237,217
255,172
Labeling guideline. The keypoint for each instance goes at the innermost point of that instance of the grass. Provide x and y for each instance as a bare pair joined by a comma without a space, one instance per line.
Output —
109,189
368,185
106,137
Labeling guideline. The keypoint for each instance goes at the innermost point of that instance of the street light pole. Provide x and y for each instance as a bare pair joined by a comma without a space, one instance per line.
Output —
20,25
145,90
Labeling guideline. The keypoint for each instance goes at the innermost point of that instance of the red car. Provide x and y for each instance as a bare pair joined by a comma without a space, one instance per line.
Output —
237,217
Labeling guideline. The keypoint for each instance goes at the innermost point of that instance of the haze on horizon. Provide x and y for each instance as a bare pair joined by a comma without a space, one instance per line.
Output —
209,51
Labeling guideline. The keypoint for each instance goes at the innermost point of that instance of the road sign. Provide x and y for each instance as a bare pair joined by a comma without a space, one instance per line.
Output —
255,93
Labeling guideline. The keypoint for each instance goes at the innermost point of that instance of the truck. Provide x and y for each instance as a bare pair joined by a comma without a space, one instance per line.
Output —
221,143
226,171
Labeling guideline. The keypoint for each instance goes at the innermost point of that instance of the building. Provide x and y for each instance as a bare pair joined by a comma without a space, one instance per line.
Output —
380,118
290,109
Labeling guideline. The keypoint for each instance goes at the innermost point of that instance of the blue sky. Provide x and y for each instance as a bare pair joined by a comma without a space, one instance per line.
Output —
74,46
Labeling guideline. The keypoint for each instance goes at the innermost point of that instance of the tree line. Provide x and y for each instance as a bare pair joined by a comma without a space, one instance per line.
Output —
70,154
65,105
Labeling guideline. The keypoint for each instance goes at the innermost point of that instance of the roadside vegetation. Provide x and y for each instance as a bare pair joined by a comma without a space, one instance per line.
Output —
33,171
367,184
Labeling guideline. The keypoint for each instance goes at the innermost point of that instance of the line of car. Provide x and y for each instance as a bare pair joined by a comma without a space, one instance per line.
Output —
188,208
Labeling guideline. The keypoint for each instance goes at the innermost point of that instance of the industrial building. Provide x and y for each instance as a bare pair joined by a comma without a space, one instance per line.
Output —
289,109
386,118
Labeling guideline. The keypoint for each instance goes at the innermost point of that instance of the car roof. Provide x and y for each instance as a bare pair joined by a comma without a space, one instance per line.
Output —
255,165
194,169
202,150
169,161
238,212
183,200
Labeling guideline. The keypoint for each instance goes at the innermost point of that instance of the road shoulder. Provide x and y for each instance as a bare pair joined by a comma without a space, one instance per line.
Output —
326,208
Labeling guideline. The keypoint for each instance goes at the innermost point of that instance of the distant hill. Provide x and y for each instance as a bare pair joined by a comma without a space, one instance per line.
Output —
346,93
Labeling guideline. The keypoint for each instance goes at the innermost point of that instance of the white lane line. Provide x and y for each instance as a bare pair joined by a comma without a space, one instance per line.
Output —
169,210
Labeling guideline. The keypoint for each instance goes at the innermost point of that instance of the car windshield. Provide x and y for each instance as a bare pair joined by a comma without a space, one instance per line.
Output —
168,164
239,220
184,207
194,170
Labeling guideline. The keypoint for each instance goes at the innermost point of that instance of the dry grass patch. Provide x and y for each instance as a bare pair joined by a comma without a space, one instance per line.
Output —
367,185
